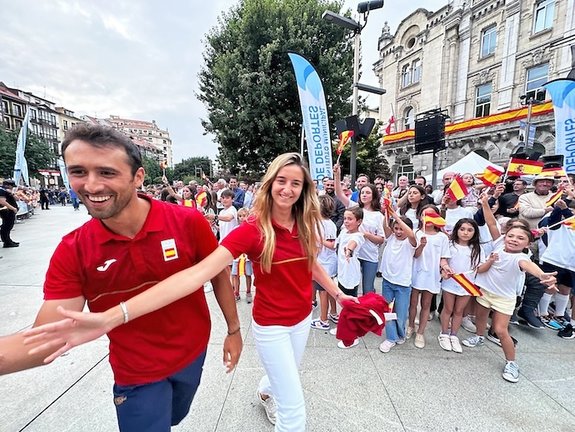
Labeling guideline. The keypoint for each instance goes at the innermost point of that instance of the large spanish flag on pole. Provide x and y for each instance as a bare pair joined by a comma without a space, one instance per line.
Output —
562,93
315,118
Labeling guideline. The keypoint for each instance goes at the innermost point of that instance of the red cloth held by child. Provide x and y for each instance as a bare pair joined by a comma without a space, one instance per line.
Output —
356,320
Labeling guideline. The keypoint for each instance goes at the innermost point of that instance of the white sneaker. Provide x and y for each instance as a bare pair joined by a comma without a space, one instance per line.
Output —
333,331
468,325
409,332
400,341
455,345
342,346
269,405
419,341
444,341
511,372
386,345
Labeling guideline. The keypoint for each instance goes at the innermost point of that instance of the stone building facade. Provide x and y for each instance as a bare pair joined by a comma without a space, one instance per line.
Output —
482,61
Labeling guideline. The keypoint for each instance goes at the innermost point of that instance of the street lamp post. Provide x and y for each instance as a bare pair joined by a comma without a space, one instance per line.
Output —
356,27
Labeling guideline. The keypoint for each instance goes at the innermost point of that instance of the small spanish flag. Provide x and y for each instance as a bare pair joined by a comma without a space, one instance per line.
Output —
242,265
467,285
344,138
433,218
519,167
569,223
202,199
554,172
490,176
170,253
386,202
163,165
457,189
554,198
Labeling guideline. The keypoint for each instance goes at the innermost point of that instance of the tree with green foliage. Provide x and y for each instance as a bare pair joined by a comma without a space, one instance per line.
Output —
369,159
38,154
248,85
193,168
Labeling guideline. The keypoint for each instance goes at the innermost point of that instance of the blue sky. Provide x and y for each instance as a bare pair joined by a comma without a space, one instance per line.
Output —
136,59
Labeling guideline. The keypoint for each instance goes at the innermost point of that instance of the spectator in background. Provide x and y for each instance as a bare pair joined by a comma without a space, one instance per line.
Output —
239,193
339,209
362,180
509,202
445,181
401,188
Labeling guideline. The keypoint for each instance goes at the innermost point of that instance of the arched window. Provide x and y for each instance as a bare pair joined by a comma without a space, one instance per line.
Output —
405,75
409,118
416,71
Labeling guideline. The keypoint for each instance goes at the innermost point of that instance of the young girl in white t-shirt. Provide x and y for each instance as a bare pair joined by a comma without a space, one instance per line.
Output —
496,278
396,266
430,255
327,258
349,242
466,255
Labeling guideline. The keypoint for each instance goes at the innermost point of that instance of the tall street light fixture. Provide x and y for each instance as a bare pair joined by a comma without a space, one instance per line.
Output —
356,28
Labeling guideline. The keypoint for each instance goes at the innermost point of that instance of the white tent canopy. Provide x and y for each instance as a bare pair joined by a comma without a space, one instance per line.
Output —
470,163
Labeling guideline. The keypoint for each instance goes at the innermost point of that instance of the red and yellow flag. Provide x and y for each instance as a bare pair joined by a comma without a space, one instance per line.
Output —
433,218
163,165
202,199
344,138
554,198
467,285
457,189
569,223
519,167
490,176
554,172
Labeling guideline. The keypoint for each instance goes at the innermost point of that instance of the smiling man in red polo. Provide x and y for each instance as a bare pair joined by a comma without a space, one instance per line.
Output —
132,243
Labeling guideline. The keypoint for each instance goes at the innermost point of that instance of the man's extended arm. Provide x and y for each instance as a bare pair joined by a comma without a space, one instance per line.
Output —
14,354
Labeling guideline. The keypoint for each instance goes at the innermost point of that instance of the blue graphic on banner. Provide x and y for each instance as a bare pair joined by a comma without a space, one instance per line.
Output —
315,118
562,93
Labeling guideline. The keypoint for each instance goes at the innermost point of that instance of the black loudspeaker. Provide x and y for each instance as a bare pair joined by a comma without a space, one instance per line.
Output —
348,123
430,133
553,161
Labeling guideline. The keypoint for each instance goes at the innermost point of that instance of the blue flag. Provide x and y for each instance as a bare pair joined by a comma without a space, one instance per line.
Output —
315,118
562,93
20,164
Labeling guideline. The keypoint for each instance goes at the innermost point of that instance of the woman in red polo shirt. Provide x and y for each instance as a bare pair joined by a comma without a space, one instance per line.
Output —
280,239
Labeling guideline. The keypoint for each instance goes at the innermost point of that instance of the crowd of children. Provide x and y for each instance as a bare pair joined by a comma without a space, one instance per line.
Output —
462,255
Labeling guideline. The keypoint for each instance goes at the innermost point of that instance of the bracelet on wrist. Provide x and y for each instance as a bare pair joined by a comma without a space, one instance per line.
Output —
233,332
125,312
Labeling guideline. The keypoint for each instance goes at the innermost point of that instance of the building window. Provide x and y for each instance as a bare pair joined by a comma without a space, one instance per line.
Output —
536,77
543,16
483,100
65,122
488,41
416,71
408,118
5,106
7,123
405,168
33,114
405,75
17,110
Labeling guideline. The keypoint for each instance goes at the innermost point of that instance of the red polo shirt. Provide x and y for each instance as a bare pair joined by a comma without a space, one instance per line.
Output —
107,268
283,296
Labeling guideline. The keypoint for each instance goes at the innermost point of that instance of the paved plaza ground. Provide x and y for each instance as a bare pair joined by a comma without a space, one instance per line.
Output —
359,389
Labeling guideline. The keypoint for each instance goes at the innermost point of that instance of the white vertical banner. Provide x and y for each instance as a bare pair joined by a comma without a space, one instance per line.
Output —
20,164
562,93
315,118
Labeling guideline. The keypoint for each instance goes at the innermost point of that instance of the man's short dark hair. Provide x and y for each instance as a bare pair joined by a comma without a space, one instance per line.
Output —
103,136
421,177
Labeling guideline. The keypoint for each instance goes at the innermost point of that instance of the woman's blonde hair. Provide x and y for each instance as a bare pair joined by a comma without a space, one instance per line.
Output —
305,211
